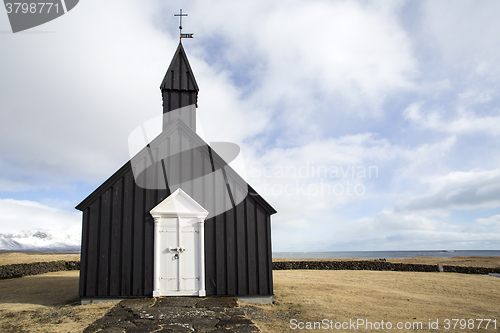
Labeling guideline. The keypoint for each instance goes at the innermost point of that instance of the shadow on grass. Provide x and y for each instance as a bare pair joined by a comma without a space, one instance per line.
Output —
51,289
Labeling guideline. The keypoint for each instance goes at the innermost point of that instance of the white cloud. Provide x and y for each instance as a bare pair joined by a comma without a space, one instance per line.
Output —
297,84
102,81
65,94
392,221
460,190
462,33
466,122
17,215
490,221
309,172
303,63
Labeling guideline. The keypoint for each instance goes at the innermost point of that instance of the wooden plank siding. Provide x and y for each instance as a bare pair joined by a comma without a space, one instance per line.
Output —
115,239
118,230
118,243
127,238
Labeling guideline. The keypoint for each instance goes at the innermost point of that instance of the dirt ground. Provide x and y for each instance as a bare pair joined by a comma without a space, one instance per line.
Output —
49,303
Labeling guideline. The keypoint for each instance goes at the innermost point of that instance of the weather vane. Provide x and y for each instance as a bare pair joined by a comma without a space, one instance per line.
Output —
180,25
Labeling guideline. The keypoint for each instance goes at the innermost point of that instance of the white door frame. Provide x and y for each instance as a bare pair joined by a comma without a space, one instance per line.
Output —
187,208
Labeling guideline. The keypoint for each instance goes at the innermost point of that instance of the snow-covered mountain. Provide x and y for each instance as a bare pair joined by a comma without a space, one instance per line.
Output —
29,225
40,240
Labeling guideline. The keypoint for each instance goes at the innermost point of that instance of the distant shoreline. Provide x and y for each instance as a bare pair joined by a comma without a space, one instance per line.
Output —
362,255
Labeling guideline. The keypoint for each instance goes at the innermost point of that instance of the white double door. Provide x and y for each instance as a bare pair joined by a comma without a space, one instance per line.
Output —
178,262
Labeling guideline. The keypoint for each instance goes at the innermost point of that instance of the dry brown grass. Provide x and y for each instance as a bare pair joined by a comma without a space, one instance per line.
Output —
49,303
489,262
46,303
308,295
9,258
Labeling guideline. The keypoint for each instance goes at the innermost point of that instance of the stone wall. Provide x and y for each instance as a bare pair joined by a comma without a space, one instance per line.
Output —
19,270
377,265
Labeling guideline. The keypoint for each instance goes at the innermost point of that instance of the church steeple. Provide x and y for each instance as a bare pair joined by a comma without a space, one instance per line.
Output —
179,91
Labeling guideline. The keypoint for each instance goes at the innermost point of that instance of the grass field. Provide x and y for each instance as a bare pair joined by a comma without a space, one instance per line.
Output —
49,302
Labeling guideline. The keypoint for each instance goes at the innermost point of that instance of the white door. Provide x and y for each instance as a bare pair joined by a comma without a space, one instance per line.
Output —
179,256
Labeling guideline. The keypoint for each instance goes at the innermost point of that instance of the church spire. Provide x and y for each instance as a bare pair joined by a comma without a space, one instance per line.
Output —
179,91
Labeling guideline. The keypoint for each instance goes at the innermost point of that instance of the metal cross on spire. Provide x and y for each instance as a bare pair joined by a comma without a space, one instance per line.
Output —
180,25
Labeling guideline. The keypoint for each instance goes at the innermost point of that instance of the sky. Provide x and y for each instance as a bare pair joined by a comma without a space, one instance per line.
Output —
368,125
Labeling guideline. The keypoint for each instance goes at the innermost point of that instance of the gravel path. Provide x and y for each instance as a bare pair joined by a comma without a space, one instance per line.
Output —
175,314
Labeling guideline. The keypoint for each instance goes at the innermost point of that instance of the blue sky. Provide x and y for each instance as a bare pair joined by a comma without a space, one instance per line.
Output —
310,90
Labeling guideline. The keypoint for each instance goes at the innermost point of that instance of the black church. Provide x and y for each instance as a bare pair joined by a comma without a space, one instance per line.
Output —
176,219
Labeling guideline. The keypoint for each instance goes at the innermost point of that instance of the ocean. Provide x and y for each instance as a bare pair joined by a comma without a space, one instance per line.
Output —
385,254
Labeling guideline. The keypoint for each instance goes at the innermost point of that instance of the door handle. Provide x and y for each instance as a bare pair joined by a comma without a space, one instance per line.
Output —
176,249
176,256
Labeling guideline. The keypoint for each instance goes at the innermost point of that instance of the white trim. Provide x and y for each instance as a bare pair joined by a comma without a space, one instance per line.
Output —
157,256
196,209
179,258
201,229
178,214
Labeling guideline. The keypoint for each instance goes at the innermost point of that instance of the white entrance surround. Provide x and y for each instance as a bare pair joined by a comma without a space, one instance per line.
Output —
179,251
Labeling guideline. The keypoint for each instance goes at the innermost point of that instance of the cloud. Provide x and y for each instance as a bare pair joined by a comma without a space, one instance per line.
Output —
465,122
393,221
462,33
460,190
323,87
330,165
493,221
94,90
17,215
307,64
70,98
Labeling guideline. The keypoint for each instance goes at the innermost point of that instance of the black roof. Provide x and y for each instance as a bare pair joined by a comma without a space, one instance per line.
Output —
216,161
179,75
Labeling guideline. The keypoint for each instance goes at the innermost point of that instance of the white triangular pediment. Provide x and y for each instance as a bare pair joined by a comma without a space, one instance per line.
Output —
179,203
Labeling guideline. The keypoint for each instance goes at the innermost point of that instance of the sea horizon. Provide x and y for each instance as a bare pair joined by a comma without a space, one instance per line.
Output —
385,254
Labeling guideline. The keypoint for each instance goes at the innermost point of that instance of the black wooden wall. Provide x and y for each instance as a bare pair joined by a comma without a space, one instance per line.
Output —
238,258
117,241
117,236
